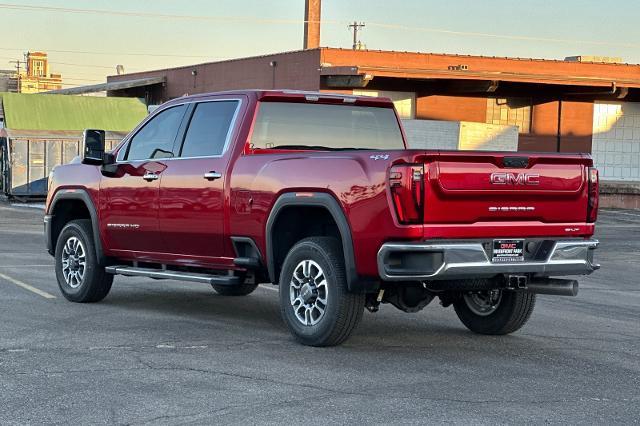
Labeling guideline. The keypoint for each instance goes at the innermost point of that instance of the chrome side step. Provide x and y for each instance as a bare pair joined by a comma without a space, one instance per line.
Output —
164,274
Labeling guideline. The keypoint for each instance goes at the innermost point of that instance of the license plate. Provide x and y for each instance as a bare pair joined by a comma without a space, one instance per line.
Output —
507,251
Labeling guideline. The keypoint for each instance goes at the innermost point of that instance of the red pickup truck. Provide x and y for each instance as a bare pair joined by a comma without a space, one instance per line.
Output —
317,193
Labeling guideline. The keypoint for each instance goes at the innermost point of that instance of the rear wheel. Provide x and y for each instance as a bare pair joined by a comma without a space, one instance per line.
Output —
314,299
79,276
495,311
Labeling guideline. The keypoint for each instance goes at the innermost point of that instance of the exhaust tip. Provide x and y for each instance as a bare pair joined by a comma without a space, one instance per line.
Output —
555,287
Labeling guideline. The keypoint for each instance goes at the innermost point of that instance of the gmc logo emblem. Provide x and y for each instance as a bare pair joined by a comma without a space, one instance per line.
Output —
515,178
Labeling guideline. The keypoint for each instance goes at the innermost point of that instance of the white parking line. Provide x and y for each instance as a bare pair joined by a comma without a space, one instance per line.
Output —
38,206
27,287
26,266
269,287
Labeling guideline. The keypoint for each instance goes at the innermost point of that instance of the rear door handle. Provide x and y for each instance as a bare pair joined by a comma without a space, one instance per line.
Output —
212,175
150,176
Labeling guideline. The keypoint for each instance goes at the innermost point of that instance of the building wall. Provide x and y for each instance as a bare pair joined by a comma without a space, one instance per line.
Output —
37,77
462,135
453,108
616,140
403,101
294,70
8,81
575,125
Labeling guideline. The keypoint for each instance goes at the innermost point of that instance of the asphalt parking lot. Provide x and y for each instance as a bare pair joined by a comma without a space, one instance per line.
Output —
165,352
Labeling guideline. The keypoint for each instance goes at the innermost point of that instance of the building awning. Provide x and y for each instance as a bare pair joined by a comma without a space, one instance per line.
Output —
359,76
113,85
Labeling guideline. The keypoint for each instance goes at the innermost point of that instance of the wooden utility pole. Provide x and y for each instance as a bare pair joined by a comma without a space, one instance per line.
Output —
18,63
18,83
356,27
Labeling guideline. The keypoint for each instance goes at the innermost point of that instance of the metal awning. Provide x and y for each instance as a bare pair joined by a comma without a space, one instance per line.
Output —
113,85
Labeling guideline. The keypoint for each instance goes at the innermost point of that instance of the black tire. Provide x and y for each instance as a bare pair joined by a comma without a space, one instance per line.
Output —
511,313
343,310
234,290
95,283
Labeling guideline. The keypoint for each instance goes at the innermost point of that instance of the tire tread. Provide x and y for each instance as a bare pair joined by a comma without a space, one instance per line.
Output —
514,311
100,282
350,305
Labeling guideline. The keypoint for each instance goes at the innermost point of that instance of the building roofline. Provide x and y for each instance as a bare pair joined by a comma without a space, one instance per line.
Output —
218,62
450,55
509,58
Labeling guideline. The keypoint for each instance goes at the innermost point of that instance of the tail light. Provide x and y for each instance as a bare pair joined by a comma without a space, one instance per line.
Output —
592,205
406,183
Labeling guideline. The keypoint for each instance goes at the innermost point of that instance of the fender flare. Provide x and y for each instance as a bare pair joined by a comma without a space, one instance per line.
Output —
82,195
317,199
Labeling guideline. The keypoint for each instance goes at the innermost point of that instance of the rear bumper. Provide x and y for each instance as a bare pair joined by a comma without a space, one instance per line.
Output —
431,260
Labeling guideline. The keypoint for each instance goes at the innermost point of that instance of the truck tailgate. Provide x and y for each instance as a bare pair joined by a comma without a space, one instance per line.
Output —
468,188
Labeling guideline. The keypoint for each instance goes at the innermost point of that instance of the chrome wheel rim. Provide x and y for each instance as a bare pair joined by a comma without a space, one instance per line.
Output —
73,262
483,303
308,292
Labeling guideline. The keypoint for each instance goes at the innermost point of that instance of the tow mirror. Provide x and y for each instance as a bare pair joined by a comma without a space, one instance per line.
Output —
93,146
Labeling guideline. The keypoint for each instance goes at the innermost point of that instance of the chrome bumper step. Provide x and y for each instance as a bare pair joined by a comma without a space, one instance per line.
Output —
446,261
164,274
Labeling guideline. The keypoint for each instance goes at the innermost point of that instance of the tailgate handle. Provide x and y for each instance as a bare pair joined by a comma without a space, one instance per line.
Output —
516,162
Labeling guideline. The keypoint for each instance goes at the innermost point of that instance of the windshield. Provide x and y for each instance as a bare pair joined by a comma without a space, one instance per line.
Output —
321,126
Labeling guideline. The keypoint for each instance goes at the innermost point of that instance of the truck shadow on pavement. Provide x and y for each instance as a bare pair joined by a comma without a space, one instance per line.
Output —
206,313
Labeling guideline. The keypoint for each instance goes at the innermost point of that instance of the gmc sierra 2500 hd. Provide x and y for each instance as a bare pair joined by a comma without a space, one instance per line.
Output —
318,194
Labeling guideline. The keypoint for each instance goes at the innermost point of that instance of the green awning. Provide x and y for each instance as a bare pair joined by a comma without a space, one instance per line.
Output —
64,112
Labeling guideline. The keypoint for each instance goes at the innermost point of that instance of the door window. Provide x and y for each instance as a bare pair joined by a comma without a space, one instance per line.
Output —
156,138
209,129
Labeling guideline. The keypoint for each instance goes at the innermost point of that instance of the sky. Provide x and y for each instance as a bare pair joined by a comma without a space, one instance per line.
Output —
87,39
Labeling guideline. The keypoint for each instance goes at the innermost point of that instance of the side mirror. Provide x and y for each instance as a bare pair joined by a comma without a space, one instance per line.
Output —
93,146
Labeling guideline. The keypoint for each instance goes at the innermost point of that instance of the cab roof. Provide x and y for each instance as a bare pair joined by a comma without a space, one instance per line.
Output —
301,96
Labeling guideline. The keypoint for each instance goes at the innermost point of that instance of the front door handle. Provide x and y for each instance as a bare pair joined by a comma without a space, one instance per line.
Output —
150,176
212,175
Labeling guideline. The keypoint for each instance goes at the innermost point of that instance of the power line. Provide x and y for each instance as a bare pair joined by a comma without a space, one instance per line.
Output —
224,19
85,80
112,67
253,20
108,67
87,52
502,36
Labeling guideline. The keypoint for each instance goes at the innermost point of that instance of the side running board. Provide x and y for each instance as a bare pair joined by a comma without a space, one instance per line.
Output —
164,274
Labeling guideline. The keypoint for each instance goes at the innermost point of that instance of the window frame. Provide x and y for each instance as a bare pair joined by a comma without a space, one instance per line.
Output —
124,151
251,150
182,135
182,130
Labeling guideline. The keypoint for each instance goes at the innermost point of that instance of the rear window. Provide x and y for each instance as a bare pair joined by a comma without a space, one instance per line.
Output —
299,125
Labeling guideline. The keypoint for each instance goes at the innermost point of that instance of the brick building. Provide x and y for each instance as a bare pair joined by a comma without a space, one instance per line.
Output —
37,77
566,106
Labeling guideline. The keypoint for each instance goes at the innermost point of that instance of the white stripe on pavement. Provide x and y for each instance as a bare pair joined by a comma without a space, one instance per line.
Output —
27,287
26,266
269,287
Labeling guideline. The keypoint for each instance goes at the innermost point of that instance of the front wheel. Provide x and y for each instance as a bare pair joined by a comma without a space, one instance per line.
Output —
314,299
80,277
495,311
